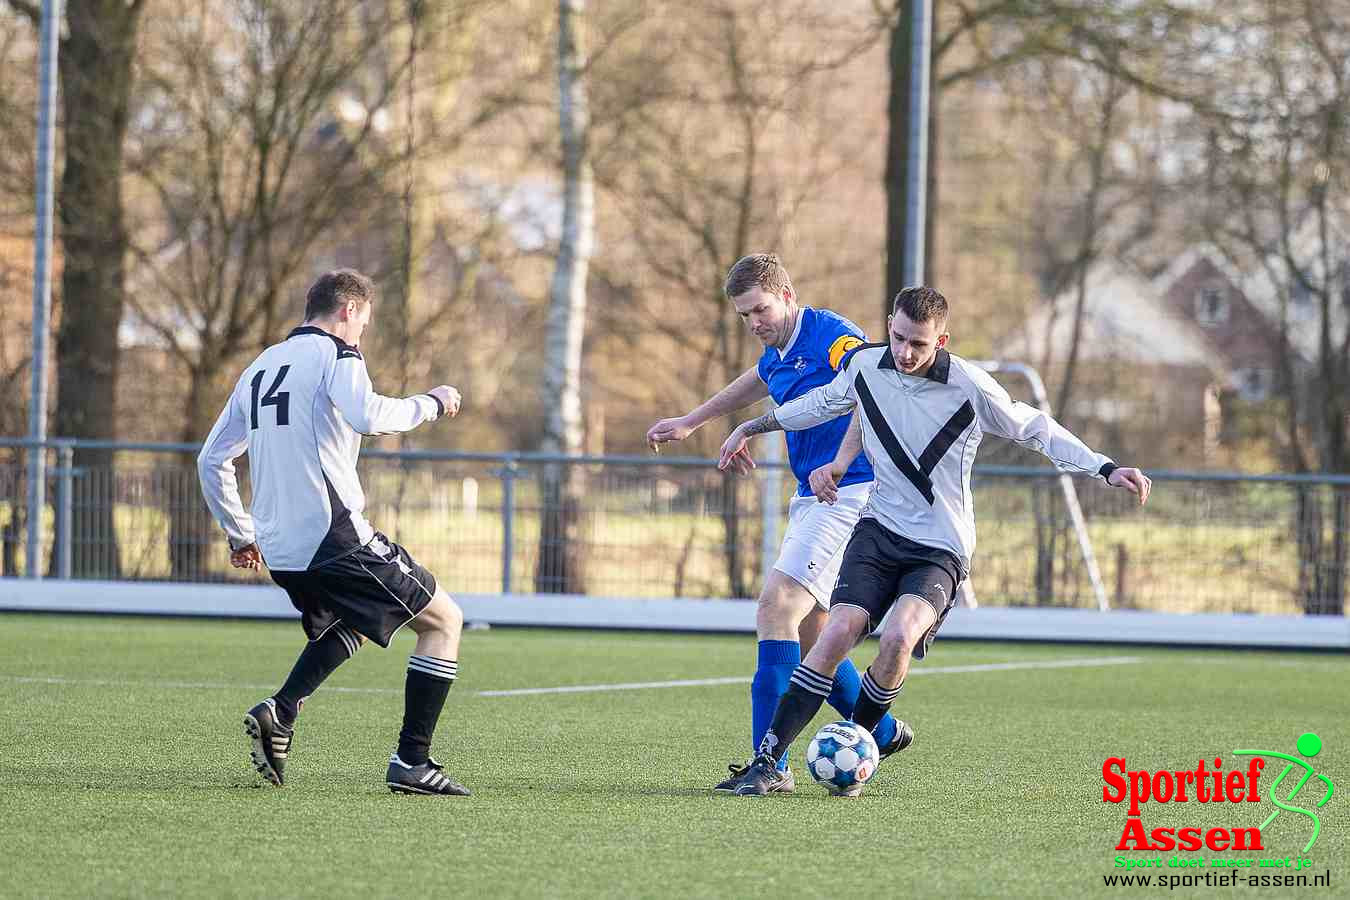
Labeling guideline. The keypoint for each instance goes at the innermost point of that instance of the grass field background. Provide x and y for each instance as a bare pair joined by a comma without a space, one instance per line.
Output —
125,771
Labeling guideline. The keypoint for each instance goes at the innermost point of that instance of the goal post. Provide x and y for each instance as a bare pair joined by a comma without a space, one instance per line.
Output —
1038,392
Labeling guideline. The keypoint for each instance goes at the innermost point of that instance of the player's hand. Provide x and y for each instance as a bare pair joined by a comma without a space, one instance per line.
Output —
824,482
1133,480
666,430
247,558
734,456
449,398
743,463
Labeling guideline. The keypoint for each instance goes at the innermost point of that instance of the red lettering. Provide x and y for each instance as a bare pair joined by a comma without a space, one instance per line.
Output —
1241,835
1113,780
1200,793
1234,787
1134,831
1189,838
1163,839
1217,839
1218,780
1138,790
1253,768
1159,780
1182,779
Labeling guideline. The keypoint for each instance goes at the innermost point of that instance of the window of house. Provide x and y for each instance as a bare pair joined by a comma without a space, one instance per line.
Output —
1254,385
1211,306
1301,296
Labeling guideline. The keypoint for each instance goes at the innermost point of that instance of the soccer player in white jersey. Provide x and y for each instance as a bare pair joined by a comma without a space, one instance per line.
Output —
923,414
803,349
299,410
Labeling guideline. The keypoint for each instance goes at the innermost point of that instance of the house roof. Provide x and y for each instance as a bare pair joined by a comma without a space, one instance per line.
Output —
1266,282
1125,320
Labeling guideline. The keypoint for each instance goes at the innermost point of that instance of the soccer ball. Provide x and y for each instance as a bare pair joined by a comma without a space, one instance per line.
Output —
842,756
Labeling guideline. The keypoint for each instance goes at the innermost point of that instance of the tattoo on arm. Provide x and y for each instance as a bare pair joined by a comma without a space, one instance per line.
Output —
763,425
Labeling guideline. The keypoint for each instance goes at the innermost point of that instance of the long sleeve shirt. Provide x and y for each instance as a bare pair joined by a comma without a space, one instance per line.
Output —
299,411
921,435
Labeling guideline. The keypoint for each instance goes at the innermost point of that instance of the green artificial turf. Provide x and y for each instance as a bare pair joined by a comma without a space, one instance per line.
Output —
125,772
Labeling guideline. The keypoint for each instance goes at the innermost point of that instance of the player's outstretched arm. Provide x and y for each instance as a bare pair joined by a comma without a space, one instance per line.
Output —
746,389
366,411
734,454
999,414
825,479
829,401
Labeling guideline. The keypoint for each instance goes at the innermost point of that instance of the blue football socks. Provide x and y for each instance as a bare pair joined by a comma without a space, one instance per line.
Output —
777,660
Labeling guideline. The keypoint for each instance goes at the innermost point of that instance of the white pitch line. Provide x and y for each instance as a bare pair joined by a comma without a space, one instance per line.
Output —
934,670
1087,662
628,686
176,685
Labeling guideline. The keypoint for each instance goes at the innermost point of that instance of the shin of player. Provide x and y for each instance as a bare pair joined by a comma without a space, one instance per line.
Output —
923,414
299,411
802,348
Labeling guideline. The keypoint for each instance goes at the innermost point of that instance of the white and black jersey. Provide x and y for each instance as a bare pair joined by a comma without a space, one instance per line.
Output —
299,410
921,435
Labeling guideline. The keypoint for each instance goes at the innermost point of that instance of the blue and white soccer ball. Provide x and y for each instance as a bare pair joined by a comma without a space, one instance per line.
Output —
841,757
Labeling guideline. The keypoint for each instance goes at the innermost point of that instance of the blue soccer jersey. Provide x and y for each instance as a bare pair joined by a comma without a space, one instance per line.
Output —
813,356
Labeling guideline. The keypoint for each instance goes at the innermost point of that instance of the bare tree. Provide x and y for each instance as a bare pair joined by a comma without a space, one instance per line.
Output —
559,567
97,72
260,148
709,148
1281,146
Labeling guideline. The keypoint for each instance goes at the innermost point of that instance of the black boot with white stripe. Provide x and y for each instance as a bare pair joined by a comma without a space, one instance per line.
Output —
427,778
271,740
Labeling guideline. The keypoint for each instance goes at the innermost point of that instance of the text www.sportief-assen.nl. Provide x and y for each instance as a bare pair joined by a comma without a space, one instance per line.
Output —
1219,879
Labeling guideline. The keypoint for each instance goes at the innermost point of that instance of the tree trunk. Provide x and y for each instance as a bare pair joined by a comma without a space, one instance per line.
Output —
731,527
96,78
191,528
1043,514
1088,248
559,567
1333,600
1308,535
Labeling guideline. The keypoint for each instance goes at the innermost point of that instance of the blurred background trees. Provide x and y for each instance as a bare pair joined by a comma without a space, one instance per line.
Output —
1084,155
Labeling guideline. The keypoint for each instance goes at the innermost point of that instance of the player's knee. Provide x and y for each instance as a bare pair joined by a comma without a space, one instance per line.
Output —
452,617
897,643
781,606
773,610
908,625
441,615
847,626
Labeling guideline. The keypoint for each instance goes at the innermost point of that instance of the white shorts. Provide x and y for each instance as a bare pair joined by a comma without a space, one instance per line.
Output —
813,546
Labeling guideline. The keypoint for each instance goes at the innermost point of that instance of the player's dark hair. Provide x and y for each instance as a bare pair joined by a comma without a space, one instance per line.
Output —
334,289
921,304
762,270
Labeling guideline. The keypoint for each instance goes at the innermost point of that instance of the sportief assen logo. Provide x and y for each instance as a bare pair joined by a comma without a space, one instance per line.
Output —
1215,784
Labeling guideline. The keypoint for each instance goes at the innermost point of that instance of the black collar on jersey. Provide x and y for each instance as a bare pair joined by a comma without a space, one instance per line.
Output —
938,371
344,349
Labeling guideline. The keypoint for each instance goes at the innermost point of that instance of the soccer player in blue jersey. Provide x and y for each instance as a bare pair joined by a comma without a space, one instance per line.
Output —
803,349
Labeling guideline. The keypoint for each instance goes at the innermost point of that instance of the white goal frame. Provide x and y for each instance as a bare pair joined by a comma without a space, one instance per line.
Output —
1038,391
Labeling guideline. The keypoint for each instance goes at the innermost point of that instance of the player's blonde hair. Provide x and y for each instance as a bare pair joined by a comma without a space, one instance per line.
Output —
762,270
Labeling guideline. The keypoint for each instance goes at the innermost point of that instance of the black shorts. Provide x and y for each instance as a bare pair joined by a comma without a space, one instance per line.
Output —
375,591
880,566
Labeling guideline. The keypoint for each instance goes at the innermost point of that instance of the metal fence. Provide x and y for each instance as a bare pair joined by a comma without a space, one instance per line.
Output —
659,527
